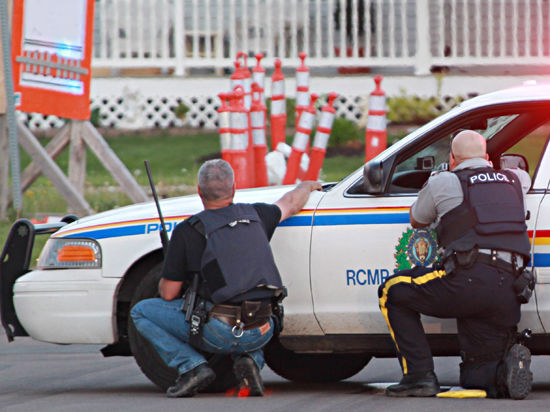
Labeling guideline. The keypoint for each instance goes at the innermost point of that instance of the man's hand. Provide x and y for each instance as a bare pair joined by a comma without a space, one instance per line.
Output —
293,201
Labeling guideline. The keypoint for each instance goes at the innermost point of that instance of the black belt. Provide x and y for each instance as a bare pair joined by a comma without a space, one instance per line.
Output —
498,263
504,255
251,314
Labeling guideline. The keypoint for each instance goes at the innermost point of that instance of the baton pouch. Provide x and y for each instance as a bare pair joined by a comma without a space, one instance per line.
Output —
249,310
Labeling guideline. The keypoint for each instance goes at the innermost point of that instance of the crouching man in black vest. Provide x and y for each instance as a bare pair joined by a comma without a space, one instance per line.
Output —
222,258
480,219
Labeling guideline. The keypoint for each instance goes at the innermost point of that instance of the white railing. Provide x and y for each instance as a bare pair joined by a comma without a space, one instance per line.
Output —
174,35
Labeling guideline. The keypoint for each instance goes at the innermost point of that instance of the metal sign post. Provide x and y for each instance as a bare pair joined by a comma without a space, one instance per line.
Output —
10,123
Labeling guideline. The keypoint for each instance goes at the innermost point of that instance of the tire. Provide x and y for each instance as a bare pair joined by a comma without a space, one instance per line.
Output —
314,367
150,362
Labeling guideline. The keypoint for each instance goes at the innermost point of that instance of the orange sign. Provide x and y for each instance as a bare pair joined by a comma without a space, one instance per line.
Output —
52,55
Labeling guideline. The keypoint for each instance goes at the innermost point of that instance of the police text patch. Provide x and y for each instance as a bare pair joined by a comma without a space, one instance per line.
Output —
489,177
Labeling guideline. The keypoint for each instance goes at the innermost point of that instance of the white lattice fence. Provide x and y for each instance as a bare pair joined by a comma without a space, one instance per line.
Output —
159,112
135,111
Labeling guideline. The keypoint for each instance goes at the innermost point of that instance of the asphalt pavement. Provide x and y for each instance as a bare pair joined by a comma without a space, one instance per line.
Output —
43,377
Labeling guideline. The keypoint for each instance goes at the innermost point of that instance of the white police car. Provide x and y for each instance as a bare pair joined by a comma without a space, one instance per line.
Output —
332,255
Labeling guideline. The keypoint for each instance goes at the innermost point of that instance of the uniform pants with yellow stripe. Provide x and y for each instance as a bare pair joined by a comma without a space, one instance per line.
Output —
481,298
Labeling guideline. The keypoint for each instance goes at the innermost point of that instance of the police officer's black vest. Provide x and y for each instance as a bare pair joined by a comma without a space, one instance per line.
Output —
237,257
492,215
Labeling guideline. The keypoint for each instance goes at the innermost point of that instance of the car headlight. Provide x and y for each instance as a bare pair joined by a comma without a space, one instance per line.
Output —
62,253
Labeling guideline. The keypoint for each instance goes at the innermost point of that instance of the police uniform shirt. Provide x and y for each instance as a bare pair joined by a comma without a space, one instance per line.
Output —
442,192
187,245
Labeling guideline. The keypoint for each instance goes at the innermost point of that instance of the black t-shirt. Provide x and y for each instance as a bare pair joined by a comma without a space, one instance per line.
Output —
187,245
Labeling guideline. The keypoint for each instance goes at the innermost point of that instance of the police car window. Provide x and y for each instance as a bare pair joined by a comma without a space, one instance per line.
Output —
496,124
531,148
411,173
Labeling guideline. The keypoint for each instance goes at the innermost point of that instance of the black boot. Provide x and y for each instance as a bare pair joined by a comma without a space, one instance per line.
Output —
518,377
248,375
188,384
416,384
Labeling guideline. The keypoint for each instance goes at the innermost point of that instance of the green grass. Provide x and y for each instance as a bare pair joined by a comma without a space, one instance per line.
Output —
173,159
337,167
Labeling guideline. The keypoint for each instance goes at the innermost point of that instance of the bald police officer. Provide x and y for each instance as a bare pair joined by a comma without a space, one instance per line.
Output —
479,216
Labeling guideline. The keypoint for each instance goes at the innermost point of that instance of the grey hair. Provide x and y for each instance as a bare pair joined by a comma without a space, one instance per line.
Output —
216,180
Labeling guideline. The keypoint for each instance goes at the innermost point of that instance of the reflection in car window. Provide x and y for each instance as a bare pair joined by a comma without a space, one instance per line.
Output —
495,125
439,150
412,172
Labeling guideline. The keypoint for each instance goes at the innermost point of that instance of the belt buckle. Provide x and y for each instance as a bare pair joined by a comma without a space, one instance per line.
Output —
238,330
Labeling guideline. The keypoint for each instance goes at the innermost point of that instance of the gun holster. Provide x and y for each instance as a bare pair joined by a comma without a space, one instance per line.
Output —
466,260
462,260
278,317
524,286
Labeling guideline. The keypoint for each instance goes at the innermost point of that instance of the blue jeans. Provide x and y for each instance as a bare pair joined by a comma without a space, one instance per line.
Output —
163,324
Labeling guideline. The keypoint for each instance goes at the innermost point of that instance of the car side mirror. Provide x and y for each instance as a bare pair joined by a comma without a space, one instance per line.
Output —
513,161
373,177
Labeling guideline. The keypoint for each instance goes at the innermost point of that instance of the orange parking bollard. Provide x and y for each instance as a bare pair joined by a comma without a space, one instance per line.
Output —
224,126
239,139
258,76
278,106
320,142
259,136
302,87
376,135
301,140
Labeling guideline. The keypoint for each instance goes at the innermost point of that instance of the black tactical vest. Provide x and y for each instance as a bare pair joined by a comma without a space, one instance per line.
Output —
237,257
492,215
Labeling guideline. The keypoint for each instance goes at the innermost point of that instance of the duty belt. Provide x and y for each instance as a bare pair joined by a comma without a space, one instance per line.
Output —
502,259
248,315
503,255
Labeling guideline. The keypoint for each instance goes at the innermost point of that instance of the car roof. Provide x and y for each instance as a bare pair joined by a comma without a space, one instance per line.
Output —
529,91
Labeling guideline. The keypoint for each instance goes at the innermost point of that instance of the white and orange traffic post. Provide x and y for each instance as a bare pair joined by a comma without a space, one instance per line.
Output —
237,77
320,142
258,76
239,138
278,106
259,136
302,87
301,141
247,79
224,126
376,135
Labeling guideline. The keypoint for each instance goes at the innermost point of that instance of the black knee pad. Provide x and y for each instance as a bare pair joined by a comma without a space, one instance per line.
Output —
483,375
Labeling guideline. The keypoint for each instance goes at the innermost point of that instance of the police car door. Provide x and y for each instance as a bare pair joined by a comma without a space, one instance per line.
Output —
359,239
352,252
